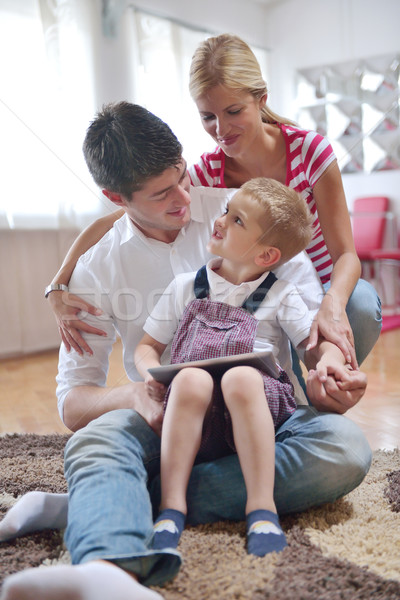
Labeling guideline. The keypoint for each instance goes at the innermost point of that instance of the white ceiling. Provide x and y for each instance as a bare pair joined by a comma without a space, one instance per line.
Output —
266,2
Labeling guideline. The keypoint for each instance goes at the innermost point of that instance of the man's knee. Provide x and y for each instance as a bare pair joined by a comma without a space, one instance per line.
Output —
115,435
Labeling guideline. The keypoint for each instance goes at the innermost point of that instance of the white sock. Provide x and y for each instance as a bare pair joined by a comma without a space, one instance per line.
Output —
35,511
90,581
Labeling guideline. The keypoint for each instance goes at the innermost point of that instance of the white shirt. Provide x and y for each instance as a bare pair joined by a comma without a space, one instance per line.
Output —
282,315
126,272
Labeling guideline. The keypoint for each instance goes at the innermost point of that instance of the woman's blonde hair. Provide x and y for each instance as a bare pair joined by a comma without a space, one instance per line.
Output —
287,221
227,60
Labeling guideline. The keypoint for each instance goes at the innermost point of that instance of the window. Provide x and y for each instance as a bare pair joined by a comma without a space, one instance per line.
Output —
52,63
46,102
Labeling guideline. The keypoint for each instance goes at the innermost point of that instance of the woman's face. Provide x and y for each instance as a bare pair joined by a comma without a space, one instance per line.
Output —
231,118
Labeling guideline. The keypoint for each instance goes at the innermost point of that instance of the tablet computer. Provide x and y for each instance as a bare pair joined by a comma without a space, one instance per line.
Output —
263,360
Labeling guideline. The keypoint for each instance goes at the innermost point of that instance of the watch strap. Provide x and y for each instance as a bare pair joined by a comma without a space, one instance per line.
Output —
55,287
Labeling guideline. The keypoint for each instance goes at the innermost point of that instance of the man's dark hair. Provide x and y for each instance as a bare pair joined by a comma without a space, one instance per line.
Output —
125,145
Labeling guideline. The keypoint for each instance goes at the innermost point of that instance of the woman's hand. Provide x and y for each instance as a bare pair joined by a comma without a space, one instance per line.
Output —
331,323
155,389
66,308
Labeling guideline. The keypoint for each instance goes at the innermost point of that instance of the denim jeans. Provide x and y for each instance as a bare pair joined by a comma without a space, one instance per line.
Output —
112,469
365,317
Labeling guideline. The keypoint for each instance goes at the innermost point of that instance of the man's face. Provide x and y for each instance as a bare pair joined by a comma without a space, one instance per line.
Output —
162,207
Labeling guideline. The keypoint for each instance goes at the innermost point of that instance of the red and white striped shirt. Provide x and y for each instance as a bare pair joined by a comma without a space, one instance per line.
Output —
308,155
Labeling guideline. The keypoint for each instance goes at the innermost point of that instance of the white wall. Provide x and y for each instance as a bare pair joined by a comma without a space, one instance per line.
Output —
29,260
242,17
307,33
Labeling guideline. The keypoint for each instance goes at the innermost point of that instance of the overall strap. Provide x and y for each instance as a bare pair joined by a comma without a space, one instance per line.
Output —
255,299
201,285
202,288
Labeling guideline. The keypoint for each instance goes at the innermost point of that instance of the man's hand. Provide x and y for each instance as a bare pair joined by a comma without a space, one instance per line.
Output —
150,408
66,308
328,394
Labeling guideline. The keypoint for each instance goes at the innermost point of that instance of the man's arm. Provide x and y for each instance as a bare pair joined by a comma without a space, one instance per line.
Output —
147,355
81,391
85,403
65,306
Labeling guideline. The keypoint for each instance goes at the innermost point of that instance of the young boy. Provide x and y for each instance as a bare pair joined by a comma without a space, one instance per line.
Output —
233,305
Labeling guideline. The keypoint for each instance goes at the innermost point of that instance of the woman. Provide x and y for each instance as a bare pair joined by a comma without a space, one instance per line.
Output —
230,94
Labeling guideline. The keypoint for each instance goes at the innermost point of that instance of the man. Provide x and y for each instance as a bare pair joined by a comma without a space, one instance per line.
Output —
112,461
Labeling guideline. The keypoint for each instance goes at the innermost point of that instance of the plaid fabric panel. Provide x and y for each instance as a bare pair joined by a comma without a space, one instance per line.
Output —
211,329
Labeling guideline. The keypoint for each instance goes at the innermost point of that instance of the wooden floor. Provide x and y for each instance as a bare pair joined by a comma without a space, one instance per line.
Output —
28,404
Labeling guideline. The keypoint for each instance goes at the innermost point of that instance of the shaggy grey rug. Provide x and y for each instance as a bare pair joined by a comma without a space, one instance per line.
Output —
348,550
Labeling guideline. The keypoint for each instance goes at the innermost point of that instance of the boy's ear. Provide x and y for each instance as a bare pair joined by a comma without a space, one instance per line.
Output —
114,197
268,257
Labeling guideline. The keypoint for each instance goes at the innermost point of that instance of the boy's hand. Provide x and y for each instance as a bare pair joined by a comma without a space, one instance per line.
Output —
328,394
155,389
329,366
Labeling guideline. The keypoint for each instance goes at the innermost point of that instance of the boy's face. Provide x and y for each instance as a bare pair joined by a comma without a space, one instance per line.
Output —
162,207
237,233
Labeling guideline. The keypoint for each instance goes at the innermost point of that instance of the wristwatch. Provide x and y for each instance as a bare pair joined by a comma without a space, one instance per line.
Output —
55,287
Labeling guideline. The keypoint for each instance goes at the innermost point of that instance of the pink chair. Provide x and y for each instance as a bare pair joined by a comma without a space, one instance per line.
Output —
388,257
369,218
373,226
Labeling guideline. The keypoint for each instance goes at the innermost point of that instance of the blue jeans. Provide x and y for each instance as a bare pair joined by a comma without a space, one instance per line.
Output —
365,317
112,469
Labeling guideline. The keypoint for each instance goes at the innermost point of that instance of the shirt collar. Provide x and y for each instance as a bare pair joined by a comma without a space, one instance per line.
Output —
196,205
221,287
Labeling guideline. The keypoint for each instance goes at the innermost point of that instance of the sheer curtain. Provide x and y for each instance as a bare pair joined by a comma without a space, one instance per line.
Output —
46,102
164,50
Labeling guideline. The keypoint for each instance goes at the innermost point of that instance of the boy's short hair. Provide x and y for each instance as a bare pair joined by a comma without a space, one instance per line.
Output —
126,145
287,221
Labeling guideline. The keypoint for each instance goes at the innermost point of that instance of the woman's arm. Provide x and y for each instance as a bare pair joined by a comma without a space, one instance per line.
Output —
331,321
67,306
85,240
